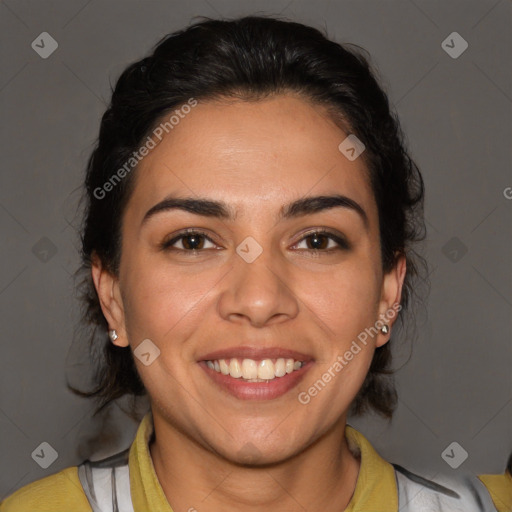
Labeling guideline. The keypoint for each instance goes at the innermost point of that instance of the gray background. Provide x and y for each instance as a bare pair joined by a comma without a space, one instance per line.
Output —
457,117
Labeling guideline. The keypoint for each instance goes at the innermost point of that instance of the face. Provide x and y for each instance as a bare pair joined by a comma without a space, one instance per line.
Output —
263,282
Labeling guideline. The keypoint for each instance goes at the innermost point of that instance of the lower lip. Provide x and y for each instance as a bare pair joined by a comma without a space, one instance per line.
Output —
244,390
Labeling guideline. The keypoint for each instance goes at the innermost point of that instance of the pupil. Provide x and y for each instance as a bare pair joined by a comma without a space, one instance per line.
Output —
196,239
314,239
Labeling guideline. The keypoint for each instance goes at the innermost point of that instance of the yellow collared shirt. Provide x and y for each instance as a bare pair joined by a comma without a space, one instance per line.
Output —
376,487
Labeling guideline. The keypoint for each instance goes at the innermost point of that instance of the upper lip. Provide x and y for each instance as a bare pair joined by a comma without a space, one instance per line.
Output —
256,353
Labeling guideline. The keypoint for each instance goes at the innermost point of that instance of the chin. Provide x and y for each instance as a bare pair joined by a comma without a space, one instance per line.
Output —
250,455
258,452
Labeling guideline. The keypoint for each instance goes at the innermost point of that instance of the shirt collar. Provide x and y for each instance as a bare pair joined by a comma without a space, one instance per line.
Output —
376,483
375,488
146,491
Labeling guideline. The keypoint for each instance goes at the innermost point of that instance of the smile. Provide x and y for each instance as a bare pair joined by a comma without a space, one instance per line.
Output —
252,370
255,373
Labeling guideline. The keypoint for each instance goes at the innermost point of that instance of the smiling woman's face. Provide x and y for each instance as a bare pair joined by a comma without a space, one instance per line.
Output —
260,285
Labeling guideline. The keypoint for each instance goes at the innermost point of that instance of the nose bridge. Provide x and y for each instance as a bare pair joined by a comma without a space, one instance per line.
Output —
258,287
257,264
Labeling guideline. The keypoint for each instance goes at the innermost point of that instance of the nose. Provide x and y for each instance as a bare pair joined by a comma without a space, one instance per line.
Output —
259,293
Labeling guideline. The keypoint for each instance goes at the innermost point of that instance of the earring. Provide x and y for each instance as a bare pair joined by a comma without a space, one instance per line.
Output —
113,335
385,329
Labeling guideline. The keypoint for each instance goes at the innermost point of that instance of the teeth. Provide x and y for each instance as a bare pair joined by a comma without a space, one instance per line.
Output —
280,367
235,370
224,367
255,371
266,369
250,369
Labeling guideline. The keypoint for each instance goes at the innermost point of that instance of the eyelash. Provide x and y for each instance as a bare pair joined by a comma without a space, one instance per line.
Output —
342,243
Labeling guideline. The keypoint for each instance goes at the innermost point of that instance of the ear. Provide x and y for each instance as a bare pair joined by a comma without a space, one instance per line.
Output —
107,288
390,297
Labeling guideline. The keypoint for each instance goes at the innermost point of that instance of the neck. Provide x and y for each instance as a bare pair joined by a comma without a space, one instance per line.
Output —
322,477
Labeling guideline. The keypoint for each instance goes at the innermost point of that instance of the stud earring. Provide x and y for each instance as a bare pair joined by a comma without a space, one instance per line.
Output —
385,329
113,335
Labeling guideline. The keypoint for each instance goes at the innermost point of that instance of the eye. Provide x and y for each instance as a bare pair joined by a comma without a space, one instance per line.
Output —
320,239
190,240
316,241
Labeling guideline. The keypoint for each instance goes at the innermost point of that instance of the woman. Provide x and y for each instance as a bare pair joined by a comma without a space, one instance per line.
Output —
249,243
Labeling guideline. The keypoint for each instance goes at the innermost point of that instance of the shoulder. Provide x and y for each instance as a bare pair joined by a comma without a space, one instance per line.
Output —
60,492
500,488
460,492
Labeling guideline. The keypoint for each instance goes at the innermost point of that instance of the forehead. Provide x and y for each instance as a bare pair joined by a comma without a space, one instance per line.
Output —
253,155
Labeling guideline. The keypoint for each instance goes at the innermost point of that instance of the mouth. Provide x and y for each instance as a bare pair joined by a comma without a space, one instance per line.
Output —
256,374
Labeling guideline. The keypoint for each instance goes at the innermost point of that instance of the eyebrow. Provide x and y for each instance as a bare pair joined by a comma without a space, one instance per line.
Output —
221,210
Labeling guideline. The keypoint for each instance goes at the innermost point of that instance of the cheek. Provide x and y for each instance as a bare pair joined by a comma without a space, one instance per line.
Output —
160,301
345,300
345,304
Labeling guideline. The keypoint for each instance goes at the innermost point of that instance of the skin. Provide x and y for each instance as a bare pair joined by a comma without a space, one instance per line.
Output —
256,156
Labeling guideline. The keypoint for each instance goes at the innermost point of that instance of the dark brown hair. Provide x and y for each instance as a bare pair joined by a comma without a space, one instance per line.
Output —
248,58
